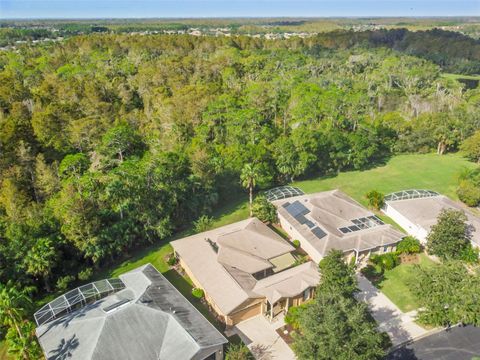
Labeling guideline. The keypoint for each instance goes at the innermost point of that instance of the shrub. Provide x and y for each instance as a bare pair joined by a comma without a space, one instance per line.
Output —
203,223
296,243
238,352
375,199
409,245
85,274
471,147
293,314
264,210
301,260
469,193
385,261
64,282
172,260
197,292
470,254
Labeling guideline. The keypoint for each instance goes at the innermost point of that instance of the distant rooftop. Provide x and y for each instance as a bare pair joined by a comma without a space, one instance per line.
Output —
147,319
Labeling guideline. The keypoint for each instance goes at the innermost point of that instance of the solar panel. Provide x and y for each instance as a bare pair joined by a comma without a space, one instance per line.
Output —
319,233
301,219
345,230
310,224
297,208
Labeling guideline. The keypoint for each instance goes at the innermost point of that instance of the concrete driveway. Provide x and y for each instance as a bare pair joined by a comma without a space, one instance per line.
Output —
399,326
262,339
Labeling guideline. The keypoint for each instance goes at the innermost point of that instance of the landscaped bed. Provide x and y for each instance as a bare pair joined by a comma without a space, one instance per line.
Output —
394,283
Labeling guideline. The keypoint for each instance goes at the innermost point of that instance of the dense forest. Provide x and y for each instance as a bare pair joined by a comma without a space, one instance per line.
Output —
109,142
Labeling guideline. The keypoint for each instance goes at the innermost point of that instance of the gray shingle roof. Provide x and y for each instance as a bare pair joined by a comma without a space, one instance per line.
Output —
154,321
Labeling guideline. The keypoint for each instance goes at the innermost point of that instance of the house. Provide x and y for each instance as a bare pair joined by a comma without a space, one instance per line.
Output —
417,211
246,269
137,316
332,220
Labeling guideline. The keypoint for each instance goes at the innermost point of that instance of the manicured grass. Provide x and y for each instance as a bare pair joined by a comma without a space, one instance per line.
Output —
422,171
395,284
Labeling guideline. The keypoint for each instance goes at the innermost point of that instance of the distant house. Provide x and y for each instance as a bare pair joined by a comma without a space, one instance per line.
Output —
246,269
417,211
332,220
138,316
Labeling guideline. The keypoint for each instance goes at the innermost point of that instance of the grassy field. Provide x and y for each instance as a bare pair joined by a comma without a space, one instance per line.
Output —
428,171
395,284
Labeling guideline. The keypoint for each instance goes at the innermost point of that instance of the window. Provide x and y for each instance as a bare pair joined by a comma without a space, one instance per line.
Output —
385,248
306,294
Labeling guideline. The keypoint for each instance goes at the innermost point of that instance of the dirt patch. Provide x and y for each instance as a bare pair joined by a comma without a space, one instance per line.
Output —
409,259
285,333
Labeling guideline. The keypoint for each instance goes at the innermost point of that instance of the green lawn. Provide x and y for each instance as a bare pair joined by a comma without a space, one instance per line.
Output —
395,284
428,171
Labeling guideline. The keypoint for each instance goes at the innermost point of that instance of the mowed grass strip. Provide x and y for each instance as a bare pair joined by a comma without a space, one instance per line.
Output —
395,283
402,172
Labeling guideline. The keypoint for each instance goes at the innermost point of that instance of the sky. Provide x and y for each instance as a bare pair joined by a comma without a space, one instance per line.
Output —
233,8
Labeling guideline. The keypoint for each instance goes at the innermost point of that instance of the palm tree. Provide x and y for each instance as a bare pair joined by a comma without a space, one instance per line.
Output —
248,177
12,301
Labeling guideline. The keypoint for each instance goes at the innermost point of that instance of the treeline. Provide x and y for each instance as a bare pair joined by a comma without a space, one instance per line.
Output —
452,51
110,142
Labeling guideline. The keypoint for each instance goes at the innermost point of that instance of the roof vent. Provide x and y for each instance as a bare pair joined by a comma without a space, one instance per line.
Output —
213,245
116,305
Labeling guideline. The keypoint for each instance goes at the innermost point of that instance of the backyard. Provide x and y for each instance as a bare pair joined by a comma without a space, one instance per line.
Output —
428,171
394,283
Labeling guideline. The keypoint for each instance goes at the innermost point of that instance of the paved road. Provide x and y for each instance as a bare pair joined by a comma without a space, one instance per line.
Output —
399,326
458,343
262,339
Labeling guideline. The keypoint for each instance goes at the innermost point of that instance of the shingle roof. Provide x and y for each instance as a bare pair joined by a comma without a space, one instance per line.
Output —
424,212
288,283
153,321
332,210
243,248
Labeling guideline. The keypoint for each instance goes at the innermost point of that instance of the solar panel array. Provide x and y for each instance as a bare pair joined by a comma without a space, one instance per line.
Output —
77,298
410,194
296,208
298,212
361,224
319,233
282,192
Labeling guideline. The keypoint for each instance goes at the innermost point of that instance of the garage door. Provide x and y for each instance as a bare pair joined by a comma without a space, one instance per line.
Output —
246,313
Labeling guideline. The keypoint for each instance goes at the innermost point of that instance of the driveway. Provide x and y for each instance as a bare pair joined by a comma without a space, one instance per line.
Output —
400,326
262,339
458,343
